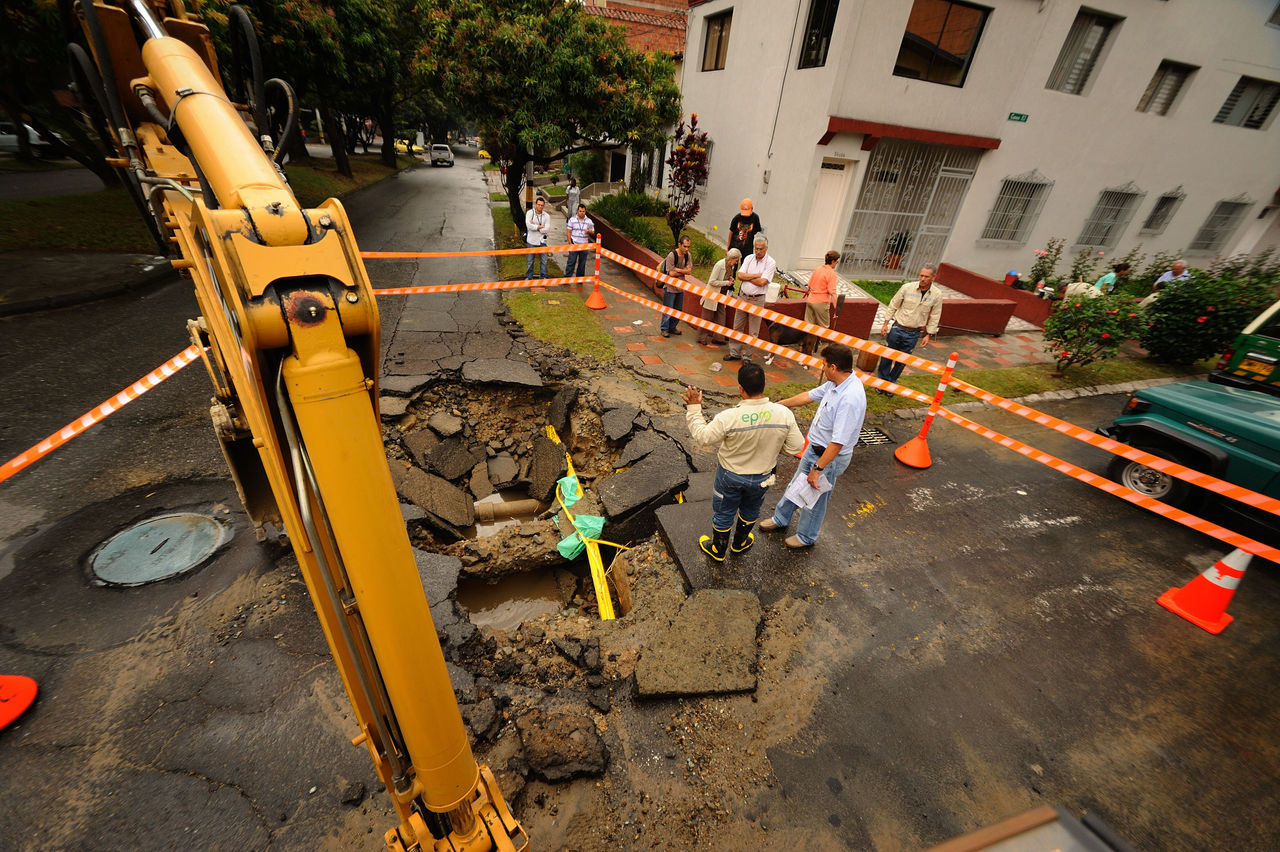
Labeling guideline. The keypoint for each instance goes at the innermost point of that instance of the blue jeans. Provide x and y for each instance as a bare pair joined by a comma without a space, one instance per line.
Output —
578,262
542,258
671,297
902,340
811,519
736,494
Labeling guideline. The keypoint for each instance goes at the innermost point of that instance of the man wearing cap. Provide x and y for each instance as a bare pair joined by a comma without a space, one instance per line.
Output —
915,310
748,436
744,227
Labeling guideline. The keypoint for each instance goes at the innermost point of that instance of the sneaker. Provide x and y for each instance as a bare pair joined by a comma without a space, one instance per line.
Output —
732,357
768,360
884,392
676,331
666,334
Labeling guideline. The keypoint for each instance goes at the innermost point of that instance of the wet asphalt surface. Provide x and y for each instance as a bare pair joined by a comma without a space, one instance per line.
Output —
985,637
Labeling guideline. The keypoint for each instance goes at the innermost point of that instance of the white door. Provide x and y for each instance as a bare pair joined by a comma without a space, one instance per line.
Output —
824,214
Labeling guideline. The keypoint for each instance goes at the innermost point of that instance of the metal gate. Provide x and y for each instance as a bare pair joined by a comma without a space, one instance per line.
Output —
908,204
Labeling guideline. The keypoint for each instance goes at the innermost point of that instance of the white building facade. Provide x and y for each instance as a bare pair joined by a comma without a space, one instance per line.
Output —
905,132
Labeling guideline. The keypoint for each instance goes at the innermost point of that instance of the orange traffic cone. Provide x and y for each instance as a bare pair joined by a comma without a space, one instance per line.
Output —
16,694
914,453
595,301
1204,600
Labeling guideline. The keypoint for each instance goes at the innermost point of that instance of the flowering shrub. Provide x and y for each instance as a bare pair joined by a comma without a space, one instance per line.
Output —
1045,267
1084,330
1200,317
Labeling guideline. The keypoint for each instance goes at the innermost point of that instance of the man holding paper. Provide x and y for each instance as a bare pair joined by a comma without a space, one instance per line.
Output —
842,405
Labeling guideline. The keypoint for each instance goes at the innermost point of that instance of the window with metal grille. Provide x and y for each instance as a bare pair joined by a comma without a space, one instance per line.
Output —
716,44
1250,103
1017,207
1221,224
1164,87
817,33
940,40
1110,216
1080,52
1163,210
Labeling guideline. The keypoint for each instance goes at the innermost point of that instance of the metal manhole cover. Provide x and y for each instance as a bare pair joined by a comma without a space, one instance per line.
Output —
874,436
158,548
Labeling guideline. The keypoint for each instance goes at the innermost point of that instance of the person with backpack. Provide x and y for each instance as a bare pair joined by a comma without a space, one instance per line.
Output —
677,264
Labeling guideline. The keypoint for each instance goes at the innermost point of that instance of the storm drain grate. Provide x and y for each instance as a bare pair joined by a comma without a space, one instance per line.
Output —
874,436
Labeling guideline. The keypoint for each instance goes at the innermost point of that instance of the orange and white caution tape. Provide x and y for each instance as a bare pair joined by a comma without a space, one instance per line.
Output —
485,285
390,255
1104,484
112,405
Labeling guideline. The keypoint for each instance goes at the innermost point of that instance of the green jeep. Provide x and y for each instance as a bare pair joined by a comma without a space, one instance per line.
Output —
1253,361
1223,431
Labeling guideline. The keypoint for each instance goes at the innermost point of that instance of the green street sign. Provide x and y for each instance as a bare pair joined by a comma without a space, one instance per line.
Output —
1018,116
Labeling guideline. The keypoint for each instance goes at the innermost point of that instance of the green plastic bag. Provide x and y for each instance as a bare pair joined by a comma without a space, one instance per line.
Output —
589,525
570,490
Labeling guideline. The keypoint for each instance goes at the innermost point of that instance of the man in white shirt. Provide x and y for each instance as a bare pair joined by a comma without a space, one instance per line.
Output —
537,222
755,274
1174,276
579,230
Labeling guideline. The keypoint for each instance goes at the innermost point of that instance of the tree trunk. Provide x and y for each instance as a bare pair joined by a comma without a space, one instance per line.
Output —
515,171
337,140
386,118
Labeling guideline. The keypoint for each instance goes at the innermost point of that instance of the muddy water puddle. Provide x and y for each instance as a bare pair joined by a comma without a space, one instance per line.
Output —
516,598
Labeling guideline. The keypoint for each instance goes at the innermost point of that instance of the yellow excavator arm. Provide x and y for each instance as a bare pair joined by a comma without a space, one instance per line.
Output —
290,330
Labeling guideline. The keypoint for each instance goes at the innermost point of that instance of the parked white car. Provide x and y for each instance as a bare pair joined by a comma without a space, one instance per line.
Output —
441,155
40,146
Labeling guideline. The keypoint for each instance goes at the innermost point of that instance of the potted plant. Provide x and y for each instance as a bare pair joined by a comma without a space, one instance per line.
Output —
894,248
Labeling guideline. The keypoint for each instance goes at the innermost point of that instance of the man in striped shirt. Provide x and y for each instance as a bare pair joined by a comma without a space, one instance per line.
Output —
580,230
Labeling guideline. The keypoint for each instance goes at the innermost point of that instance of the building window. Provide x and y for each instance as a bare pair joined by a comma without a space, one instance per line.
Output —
1163,210
817,33
1080,52
716,45
1164,87
1221,224
1249,104
1017,207
940,40
1116,206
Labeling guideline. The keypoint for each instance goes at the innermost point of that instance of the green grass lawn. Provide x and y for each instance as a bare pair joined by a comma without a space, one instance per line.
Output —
107,220
881,291
562,319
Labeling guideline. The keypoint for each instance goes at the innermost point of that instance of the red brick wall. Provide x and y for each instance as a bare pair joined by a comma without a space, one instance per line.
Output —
1026,306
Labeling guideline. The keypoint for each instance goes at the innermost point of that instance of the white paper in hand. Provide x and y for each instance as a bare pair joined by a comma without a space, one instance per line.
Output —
805,495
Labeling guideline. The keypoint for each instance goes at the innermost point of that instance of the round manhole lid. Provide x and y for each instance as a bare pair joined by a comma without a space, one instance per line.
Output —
158,548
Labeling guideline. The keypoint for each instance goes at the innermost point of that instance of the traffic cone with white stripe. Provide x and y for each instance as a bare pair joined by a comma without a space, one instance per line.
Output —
1204,600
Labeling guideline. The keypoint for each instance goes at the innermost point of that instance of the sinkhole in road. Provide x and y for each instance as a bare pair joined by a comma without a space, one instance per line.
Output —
157,548
514,599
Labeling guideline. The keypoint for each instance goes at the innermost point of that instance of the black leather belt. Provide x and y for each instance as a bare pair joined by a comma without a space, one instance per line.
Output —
909,328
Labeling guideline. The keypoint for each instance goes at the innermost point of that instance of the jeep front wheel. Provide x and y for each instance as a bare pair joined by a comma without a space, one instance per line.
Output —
1150,482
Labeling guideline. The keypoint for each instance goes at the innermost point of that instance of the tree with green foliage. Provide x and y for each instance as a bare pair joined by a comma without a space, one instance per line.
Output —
1200,317
542,79
688,164
1085,329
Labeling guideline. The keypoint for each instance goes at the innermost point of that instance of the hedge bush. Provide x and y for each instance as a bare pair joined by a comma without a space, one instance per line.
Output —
1087,329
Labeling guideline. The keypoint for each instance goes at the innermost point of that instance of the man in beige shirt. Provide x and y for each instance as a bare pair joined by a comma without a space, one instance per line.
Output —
748,436
914,309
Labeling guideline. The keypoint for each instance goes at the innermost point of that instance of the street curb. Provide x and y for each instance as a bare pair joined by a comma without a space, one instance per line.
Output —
149,277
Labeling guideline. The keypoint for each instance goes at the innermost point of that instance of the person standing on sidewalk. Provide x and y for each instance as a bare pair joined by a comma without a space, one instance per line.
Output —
572,195
749,436
755,274
721,280
842,405
579,230
537,223
677,264
820,306
915,309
